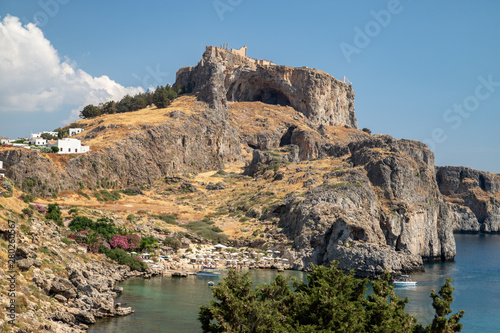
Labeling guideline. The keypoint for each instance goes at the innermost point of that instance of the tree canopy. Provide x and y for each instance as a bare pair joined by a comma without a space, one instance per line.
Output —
330,301
161,97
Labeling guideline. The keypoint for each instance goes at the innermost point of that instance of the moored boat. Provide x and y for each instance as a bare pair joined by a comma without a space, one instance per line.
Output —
403,281
205,273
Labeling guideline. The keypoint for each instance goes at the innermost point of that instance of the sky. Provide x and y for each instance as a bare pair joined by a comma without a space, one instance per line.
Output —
421,70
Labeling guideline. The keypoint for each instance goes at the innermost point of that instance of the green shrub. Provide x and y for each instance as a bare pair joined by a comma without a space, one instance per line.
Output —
28,212
124,258
170,219
81,223
175,244
109,196
83,194
54,214
132,191
66,240
27,197
206,230
148,242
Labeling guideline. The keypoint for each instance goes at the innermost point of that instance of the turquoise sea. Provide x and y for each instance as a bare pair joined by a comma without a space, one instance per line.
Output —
171,305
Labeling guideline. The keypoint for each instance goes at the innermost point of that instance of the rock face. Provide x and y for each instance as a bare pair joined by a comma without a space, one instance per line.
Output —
193,143
473,196
223,76
383,212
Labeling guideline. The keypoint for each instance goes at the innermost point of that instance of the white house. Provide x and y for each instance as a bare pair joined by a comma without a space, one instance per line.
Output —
74,131
3,140
68,146
39,134
37,141
2,170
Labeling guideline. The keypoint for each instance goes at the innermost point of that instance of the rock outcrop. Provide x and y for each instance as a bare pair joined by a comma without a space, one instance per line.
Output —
383,211
473,196
223,76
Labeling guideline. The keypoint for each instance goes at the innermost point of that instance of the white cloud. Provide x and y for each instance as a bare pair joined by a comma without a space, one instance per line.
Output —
34,78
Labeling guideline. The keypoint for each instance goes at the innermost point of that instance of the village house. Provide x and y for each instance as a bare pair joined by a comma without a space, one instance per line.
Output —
2,170
4,140
39,134
74,131
37,141
68,146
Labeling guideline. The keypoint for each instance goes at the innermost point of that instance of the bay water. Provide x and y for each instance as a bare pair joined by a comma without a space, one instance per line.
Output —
172,304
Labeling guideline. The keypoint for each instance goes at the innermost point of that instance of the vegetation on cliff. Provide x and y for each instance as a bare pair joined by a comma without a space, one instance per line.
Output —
161,97
330,301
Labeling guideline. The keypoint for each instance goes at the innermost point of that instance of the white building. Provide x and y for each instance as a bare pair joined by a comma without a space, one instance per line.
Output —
37,141
74,131
4,140
2,170
39,134
68,146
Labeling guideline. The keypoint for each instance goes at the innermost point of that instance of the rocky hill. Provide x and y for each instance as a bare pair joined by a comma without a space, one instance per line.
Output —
313,186
224,75
473,197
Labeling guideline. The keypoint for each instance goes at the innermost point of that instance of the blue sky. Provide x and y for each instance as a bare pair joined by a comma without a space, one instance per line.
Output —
422,70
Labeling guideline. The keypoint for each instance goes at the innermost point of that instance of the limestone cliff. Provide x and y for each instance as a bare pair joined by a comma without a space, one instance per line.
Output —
223,76
473,196
379,209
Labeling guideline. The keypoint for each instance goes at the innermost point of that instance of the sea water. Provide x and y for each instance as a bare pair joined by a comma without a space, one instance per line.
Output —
172,304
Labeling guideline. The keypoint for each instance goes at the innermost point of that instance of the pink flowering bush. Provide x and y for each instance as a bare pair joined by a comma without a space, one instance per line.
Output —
80,237
40,209
134,240
119,242
95,242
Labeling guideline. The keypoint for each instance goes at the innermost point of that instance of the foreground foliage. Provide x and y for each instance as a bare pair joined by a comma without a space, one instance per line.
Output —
330,301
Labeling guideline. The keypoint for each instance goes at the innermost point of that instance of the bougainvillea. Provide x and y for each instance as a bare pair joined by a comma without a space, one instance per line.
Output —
119,242
40,209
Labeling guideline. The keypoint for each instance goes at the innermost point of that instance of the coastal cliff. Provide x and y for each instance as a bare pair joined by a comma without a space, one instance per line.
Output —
473,197
376,207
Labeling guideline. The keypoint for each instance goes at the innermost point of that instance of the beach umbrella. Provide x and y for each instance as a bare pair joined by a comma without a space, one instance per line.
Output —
276,251
269,251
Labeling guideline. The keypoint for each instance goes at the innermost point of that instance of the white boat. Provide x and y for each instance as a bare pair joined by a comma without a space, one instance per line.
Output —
208,273
403,281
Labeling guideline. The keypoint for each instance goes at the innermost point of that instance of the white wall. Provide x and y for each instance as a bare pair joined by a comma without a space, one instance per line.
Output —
70,146
74,131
